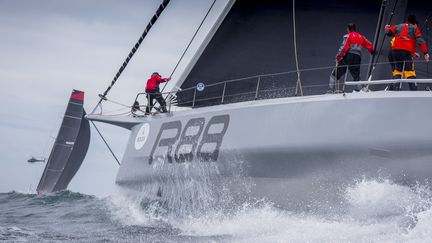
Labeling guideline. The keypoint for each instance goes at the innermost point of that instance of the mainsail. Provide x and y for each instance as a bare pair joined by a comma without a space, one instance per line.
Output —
69,149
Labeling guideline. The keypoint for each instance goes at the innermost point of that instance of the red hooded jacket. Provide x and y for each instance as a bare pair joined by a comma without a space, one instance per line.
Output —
353,43
406,37
153,83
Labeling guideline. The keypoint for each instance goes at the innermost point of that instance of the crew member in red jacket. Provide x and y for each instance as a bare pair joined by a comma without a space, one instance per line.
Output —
406,36
153,92
349,56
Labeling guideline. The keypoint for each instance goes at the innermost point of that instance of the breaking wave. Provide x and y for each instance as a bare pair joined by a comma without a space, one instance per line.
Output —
372,210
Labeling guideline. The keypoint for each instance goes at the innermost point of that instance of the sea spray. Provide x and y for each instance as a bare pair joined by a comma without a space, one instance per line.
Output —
191,188
383,200
375,212
374,209
375,199
377,208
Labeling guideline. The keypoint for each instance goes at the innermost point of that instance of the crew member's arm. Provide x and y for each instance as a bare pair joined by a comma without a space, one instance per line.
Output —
343,48
162,80
368,45
422,44
390,30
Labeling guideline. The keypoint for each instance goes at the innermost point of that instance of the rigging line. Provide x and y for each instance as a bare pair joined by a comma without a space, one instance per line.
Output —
100,134
134,49
298,85
425,24
377,34
373,61
190,42
427,42
118,103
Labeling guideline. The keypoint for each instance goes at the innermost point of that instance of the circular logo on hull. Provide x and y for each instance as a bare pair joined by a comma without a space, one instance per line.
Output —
142,136
200,87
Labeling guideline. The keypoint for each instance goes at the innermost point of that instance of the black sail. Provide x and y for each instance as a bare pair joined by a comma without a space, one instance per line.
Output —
69,149
257,37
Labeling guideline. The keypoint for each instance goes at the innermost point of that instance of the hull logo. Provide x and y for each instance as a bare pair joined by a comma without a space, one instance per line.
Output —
142,136
198,139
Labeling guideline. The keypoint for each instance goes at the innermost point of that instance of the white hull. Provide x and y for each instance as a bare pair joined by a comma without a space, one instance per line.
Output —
289,150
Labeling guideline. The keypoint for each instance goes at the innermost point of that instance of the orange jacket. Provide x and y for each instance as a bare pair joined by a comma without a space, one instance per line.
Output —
406,36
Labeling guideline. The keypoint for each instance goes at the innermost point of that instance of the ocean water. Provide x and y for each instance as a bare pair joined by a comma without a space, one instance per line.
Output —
375,210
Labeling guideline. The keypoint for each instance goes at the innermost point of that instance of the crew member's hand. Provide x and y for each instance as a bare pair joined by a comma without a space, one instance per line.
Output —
427,57
416,55
168,79
387,27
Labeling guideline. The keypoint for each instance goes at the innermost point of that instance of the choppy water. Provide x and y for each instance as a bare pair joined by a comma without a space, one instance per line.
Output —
375,211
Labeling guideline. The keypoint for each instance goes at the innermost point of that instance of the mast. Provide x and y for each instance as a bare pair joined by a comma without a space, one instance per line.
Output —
377,34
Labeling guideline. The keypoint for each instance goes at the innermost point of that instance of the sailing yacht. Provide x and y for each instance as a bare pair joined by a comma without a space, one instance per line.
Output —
250,118
69,149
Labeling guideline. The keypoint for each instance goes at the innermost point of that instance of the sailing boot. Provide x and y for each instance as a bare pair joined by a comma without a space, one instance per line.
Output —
412,86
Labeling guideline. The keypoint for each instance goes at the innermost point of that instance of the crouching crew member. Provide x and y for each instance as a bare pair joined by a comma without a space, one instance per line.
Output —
153,92
349,55
406,36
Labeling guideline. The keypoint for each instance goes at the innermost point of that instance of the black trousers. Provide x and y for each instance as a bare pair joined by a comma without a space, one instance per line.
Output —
352,63
391,61
155,95
403,66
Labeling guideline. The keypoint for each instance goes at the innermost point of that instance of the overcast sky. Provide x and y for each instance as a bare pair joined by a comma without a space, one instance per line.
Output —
49,47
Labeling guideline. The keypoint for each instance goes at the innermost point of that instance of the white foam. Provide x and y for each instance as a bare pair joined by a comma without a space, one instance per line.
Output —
128,211
15,234
268,224
379,198
378,211
422,232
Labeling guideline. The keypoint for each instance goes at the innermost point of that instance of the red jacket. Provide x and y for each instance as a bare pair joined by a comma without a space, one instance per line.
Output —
153,83
353,43
406,36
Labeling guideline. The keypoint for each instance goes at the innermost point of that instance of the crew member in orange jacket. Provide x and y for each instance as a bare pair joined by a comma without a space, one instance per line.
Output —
406,36
349,55
153,92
